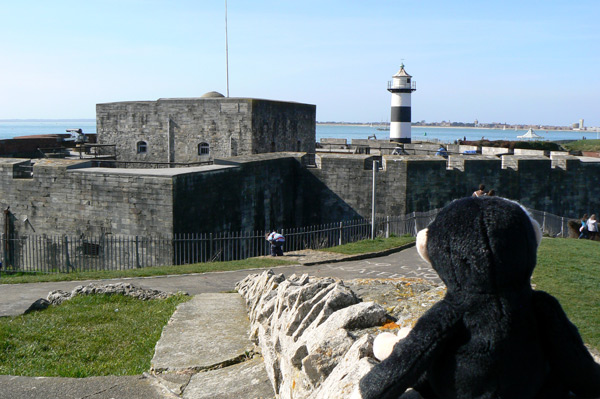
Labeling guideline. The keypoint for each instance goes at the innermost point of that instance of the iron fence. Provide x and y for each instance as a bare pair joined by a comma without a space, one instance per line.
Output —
65,254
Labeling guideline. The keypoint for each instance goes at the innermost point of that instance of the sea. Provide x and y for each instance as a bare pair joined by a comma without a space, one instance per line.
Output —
10,129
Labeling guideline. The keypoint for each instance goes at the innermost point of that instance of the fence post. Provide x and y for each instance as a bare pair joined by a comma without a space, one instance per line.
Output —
414,215
387,226
67,260
341,240
210,249
4,260
373,198
137,254
543,222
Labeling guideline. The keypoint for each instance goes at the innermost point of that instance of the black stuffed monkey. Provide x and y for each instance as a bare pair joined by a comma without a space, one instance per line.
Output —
491,336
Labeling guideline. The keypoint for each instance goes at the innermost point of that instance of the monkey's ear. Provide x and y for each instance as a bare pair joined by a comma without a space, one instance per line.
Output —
536,226
422,245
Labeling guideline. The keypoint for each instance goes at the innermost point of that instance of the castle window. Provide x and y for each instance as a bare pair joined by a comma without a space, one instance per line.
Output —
407,80
142,147
203,149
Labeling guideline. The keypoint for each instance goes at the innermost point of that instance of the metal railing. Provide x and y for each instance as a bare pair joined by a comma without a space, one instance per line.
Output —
65,254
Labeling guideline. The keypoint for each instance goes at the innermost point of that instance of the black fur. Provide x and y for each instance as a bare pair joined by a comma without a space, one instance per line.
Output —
491,336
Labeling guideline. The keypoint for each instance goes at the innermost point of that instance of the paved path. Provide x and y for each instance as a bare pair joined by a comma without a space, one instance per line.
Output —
194,325
16,298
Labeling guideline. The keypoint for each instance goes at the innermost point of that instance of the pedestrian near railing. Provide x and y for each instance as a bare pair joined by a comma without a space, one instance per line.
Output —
65,254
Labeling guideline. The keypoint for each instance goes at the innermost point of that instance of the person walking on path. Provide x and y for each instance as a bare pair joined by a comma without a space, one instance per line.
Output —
592,226
276,241
583,230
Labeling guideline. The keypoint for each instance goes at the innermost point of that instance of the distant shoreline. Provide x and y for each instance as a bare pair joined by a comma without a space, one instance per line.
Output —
49,120
447,127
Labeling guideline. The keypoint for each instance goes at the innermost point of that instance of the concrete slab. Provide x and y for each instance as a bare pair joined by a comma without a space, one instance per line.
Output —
126,387
246,380
209,331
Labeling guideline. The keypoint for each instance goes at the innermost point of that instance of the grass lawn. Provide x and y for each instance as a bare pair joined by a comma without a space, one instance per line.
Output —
569,269
365,246
252,263
89,335
583,145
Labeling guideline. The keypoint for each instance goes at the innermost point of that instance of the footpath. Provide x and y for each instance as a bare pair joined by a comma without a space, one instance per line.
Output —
204,352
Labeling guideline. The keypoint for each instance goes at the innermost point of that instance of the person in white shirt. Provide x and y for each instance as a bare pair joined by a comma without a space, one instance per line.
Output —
592,226
276,241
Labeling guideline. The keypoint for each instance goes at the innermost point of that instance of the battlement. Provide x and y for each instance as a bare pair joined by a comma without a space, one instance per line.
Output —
268,190
464,163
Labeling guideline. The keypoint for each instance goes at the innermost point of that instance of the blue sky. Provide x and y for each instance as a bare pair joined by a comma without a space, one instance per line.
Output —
512,61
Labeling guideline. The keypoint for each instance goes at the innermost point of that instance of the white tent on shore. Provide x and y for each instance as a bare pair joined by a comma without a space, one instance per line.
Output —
530,135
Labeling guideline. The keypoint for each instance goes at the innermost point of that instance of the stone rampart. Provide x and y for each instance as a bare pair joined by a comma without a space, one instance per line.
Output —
419,183
67,197
277,190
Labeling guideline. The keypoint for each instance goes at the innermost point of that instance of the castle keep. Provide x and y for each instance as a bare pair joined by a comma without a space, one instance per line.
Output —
190,130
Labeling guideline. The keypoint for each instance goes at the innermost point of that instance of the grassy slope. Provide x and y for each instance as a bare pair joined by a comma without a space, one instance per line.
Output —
378,244
570,270
251,263
86,336
583,145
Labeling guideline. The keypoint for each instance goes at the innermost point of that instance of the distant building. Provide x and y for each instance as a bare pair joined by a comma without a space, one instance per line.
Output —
186,130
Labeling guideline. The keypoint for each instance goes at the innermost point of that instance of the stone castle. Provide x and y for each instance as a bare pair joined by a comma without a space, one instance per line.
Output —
264,174
189,130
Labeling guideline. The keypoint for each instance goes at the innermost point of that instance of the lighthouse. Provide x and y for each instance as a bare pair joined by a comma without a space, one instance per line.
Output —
401,88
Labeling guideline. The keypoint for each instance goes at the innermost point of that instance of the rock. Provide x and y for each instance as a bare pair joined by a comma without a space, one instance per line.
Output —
57,297
40,304
343,380
316,334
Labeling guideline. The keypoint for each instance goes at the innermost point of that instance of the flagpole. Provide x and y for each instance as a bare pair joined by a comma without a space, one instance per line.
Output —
226,50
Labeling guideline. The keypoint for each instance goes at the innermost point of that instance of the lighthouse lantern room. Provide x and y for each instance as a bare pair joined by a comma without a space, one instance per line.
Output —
401,88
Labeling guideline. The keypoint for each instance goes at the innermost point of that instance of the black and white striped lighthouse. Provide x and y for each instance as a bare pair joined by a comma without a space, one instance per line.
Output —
401,88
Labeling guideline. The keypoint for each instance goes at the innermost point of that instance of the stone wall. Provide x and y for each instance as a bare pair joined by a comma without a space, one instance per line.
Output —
282,126
316,334
419,183
68,197
260,192
277,190
173,129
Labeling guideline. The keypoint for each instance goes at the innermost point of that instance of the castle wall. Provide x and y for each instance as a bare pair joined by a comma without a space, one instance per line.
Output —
125,123
282,126
248,195
266,191
175,128
66,197
420,183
